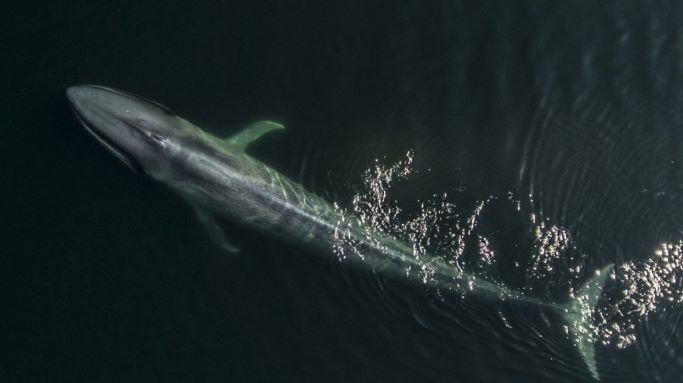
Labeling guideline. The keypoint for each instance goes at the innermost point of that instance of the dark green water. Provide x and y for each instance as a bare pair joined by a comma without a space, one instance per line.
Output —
108,277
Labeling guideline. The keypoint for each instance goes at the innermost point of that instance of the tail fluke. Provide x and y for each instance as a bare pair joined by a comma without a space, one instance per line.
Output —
578,315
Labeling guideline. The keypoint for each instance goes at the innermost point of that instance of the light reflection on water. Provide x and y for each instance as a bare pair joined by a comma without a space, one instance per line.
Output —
440,230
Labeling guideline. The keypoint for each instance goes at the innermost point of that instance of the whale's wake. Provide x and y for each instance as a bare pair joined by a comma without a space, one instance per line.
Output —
441,231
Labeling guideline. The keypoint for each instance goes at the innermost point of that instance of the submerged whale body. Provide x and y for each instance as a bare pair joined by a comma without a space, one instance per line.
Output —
220,180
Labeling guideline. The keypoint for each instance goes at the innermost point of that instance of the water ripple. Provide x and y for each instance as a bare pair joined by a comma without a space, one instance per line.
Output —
551,264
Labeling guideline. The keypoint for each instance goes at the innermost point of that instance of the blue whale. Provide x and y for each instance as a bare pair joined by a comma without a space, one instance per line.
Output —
221,181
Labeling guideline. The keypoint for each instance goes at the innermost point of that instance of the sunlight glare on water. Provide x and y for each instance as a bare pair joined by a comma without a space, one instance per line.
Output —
441,231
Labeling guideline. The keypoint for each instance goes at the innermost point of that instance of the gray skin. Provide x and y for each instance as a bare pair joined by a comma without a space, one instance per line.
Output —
220,180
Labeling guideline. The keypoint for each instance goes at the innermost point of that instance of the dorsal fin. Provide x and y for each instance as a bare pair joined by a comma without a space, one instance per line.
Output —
252,133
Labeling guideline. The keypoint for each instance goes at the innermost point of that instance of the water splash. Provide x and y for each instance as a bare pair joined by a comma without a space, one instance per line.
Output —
551,243
436,232
370,209
442,232
644,287
432,232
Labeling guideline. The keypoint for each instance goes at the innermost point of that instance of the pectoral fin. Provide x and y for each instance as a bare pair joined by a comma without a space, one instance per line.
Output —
252,133
214,231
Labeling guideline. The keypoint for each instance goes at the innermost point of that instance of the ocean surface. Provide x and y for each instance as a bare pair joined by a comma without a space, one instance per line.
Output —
532,142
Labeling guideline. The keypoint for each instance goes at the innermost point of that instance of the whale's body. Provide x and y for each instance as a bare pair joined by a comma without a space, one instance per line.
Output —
220,180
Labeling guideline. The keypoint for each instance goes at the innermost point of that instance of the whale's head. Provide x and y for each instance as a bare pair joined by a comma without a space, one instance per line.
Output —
137,131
